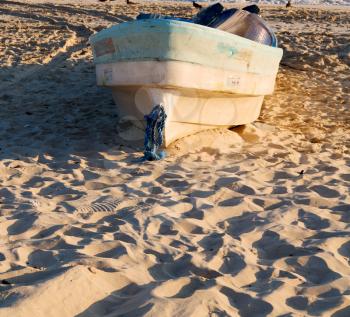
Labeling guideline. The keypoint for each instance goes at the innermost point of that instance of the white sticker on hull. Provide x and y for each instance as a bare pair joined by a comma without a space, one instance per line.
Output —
233,81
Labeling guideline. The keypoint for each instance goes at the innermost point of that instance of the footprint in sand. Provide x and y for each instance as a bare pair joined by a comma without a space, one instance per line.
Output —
247,305
272,247
325,191
313,221
345,312
232,264
315,270
42,259
323,303
297,302
104,206
344,250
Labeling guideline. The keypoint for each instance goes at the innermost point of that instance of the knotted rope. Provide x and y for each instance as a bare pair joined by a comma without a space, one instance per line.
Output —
154,134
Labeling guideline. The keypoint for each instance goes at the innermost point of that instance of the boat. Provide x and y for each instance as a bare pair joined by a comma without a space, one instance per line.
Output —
203,77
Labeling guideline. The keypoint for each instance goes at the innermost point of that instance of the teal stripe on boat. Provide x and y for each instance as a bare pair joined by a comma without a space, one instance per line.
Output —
164,40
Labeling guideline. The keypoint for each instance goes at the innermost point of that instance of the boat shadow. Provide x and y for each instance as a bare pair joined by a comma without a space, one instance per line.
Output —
53,116
50,101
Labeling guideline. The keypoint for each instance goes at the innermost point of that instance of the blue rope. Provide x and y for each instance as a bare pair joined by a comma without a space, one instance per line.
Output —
154,134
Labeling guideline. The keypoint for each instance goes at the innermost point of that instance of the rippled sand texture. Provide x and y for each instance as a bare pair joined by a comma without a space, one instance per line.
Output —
252,221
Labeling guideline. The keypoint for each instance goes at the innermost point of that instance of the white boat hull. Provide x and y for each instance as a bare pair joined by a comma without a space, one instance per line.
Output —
187,111
203,77
190,105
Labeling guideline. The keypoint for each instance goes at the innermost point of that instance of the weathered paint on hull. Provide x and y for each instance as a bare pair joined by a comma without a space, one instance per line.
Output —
188,111
205,78
183,75
169,40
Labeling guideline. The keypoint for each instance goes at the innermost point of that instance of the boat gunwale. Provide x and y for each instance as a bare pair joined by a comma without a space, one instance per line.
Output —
209,32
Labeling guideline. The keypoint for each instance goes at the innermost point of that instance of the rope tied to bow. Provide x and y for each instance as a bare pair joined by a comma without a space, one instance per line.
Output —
154,134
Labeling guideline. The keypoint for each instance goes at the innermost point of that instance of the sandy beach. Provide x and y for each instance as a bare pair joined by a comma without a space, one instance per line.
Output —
251,221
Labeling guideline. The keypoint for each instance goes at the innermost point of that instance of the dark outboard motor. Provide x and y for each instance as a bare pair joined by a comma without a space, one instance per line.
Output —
245,23
252,9
208,14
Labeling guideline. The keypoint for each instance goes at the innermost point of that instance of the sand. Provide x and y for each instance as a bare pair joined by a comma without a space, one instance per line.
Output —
252,221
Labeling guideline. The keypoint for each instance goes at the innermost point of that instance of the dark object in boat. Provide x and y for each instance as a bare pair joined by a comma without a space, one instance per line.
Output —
252,9
289,4
222,17
146,16
102,0
226,14
244,23
196,5
130,2
207,15
211,15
